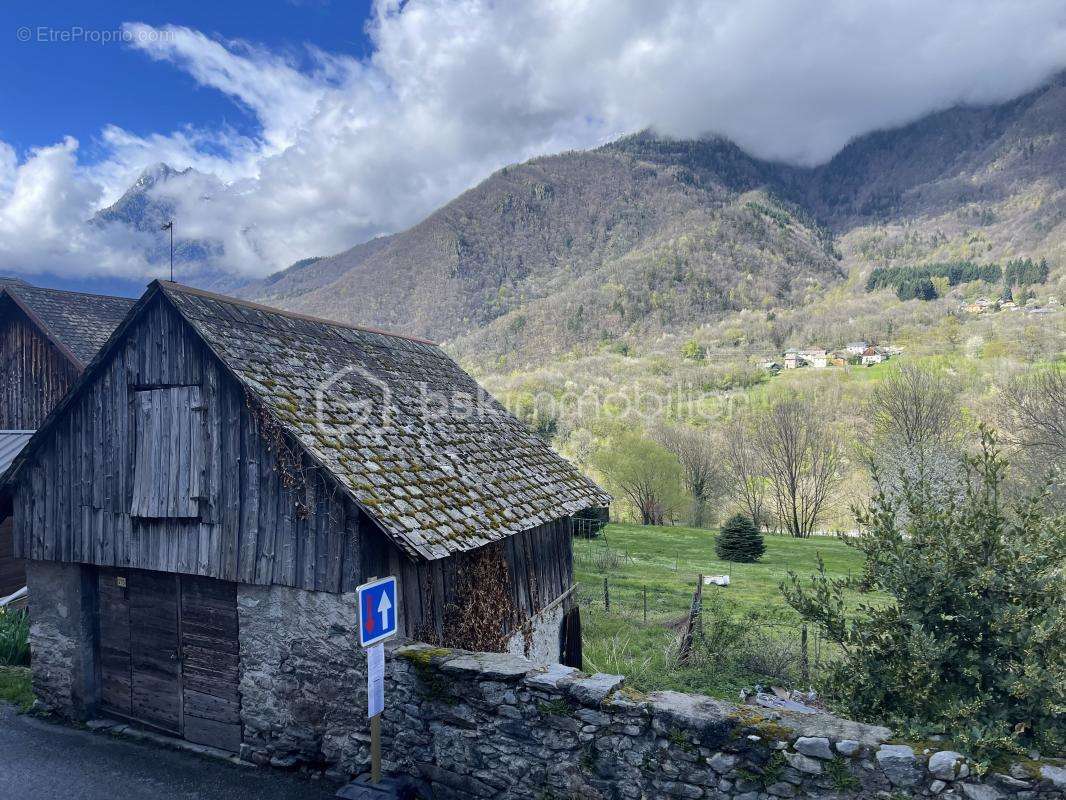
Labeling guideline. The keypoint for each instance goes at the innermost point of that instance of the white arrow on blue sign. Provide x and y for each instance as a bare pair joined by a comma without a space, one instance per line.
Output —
377,611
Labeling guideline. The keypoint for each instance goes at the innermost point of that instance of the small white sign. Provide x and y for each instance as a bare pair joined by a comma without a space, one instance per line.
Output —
375,680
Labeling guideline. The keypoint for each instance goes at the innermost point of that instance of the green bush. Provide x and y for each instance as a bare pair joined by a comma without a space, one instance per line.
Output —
693,350
971,644
739,540
14,638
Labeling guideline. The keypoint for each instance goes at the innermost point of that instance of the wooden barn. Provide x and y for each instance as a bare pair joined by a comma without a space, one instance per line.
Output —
47,336
223,475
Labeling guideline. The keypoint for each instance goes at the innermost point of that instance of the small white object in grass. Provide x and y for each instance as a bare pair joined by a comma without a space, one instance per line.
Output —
715,580
11,598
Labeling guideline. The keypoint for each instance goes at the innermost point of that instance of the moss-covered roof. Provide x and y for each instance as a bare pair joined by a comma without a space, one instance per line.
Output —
439,463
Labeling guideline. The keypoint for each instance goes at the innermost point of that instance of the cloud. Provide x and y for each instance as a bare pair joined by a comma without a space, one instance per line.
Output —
44,202
349,149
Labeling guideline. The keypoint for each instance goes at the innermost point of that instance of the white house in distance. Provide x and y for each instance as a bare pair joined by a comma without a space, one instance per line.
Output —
817,358
871,356
856,348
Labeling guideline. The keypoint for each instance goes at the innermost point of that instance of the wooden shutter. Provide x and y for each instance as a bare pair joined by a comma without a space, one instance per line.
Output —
168,457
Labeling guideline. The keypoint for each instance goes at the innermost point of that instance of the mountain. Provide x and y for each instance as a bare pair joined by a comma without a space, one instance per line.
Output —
573,247
147,205
649,235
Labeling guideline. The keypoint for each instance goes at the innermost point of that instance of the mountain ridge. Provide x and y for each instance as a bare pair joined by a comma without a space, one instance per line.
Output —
646,235
552,239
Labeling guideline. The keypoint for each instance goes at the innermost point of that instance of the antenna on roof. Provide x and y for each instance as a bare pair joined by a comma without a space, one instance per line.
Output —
170,227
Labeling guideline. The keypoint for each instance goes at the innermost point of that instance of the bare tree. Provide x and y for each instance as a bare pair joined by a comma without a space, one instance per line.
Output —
1033,418
745,469
801,458
701,466
1036,403
915,408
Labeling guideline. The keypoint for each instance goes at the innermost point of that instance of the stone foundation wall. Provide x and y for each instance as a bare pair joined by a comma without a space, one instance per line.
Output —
541,644
483,725
303,680
61,638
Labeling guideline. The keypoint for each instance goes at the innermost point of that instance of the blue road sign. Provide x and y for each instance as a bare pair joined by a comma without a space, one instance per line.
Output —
377,611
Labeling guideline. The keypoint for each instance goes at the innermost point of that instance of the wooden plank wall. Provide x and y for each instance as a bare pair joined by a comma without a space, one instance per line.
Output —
540,569
155,650
12,570
210,663
113,642
34,376
74,497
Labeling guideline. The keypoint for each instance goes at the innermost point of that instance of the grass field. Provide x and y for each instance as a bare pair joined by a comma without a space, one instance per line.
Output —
15,687
750,634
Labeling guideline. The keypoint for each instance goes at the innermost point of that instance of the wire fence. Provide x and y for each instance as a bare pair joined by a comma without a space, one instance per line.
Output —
701,620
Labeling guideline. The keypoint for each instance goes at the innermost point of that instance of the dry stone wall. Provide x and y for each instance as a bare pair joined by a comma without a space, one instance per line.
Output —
303,679
494,725
61,636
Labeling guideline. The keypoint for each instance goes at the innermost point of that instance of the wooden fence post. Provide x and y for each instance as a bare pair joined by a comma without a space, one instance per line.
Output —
645,602
606,596
688,631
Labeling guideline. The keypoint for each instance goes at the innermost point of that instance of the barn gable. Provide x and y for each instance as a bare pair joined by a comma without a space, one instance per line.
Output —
75,323
246,487
239,505
193,535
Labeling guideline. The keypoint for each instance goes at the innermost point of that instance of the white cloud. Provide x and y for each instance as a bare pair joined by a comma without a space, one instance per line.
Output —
349,149
44,202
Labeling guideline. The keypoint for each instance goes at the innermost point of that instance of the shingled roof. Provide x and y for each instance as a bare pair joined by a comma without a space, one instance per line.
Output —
77,324
438,463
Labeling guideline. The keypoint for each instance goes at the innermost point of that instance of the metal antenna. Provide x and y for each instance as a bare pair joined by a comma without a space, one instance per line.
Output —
170,227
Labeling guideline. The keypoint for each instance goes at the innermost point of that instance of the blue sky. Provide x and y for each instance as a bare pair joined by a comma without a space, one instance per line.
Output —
55,89
310,127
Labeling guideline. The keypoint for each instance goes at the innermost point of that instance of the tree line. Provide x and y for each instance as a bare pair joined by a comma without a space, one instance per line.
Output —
926,282
783,465
964,535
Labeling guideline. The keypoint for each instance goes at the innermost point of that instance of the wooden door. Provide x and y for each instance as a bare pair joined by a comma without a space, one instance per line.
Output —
155,649
169,653
114,642
211,659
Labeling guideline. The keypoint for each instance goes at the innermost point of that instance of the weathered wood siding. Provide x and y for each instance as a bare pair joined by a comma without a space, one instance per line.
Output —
12,570
75,495
540,569
34,375
210,663
258,521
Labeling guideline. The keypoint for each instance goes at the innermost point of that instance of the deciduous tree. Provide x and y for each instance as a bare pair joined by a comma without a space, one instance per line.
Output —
801,456
644,473
701,465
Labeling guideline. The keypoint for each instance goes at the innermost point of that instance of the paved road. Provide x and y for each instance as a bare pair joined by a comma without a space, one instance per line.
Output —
45,761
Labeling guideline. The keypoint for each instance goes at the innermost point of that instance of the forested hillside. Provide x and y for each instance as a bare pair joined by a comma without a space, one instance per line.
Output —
646,236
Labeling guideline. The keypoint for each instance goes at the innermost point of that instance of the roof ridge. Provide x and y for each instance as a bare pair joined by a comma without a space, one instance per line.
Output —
222,298
25,285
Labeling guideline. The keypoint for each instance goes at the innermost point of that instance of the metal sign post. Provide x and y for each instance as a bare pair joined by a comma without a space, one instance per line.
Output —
378,611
